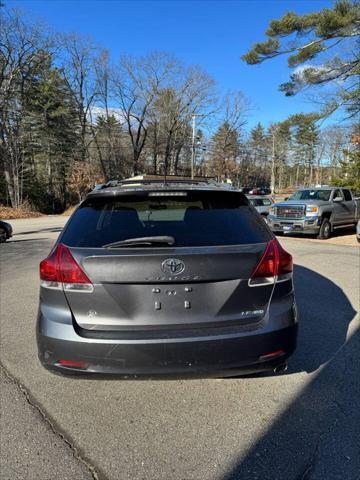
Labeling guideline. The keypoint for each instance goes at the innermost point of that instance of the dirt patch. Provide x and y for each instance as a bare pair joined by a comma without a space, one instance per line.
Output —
24,211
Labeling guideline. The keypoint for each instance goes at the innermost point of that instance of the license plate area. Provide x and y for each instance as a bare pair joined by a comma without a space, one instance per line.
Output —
287,226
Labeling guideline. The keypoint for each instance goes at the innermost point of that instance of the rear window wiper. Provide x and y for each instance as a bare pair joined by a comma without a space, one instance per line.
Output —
142,242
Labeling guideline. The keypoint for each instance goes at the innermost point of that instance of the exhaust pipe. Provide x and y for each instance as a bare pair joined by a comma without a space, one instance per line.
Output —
280,368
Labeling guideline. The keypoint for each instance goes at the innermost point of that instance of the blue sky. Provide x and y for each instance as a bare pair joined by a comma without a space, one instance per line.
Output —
212,33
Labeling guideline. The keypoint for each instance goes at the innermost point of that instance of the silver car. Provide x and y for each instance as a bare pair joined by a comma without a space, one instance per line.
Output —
261,203
162,278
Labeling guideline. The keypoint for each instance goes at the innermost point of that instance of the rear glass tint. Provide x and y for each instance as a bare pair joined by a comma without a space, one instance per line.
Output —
193,219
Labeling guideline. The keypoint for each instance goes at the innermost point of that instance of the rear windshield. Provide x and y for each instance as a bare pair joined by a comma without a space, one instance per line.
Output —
192,218
259,202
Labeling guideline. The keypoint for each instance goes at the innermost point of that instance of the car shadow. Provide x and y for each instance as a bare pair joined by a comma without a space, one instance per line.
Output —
324,316
26,240
40,230
339,232
315,436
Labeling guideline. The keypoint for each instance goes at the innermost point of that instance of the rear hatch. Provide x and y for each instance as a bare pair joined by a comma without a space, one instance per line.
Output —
195,277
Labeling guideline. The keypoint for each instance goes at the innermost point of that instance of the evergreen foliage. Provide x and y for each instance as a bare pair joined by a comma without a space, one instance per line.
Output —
322,49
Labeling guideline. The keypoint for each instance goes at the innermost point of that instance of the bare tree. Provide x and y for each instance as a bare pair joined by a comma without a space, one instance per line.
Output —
192,94
79,62
104,124
334,141
137,82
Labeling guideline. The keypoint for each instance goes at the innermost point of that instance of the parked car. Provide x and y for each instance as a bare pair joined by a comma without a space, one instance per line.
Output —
6,231
262,204
358,231
154,278
260,191
317,211
245,190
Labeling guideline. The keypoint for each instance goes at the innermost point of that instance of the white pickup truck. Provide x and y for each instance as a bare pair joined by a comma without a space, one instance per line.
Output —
317,211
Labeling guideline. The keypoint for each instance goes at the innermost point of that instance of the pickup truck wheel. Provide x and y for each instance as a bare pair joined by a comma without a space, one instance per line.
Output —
325,230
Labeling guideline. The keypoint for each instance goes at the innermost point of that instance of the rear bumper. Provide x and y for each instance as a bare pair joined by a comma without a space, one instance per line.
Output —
217,357
305,226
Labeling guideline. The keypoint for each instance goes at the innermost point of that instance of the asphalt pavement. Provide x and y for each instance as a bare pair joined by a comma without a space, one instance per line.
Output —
300,425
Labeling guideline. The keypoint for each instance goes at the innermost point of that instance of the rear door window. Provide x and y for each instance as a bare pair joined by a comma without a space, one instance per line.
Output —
192,218
347,195
337,194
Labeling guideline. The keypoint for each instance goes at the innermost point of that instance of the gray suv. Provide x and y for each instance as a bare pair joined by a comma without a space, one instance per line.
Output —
154,278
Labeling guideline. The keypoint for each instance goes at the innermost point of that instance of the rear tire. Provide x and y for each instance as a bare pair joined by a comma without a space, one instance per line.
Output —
325,229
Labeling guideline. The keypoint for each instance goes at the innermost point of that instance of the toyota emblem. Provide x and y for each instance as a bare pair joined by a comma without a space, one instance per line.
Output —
172,266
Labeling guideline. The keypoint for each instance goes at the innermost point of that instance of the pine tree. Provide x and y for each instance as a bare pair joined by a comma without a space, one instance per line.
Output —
317,35
305,139
112,149
50,135
259,147
225,147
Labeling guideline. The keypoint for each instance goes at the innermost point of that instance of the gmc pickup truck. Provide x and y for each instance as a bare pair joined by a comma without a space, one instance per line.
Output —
317,211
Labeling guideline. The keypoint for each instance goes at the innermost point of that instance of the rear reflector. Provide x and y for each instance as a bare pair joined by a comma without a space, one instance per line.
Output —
61,271
275,265
81,365
269,356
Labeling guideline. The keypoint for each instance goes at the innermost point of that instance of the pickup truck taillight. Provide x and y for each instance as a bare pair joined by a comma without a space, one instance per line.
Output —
61,271
275,265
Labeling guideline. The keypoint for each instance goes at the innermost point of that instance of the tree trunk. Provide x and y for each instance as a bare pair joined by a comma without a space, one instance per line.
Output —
10,189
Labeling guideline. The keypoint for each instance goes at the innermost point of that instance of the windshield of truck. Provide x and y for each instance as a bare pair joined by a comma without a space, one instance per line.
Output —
311,195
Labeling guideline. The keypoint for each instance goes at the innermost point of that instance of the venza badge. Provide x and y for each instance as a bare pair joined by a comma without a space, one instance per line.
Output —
173,266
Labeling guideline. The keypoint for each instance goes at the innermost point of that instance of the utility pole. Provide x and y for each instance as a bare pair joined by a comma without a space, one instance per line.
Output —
193,146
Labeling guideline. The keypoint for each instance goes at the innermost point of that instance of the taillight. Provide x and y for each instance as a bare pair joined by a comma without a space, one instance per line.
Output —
285,262
61,271
81,365
49,269
276,265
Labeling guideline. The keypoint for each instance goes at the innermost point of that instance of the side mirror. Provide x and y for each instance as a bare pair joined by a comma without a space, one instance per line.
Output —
286,198
337,199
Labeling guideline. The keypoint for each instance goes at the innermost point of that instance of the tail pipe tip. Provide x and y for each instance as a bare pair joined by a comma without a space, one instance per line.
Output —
281,368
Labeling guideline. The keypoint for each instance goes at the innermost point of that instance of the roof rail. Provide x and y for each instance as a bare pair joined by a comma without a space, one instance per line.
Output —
151,179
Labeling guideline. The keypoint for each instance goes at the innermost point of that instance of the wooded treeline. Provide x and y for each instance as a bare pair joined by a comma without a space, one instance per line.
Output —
71,118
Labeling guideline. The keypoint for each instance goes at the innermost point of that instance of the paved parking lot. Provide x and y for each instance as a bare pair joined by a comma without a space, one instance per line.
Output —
303,424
